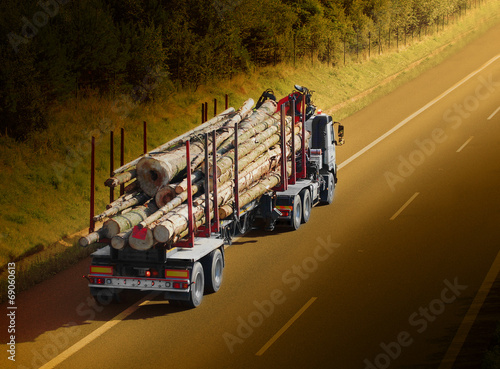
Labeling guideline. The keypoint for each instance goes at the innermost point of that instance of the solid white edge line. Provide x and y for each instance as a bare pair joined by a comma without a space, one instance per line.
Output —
418,112
96,333
471,315
494,113
285,327
404,206
465,144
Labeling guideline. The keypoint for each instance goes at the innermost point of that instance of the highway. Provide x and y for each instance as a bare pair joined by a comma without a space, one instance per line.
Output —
385,277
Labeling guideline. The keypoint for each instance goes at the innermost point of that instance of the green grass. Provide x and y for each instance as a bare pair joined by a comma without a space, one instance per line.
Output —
45,180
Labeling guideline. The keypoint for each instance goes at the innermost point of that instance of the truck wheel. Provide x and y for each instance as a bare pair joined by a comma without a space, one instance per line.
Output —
197,286
297,212
327,194
213,266
306,205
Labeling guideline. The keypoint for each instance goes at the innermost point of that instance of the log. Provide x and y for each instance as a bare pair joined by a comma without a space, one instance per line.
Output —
121,223
165,194
121,178
93,237
157,171
195,176
137,199
119,241
224,116
265,112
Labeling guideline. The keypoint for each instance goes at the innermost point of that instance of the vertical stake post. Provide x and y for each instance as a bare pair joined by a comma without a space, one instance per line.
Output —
122,156
190,197
214,179
208,221
145,136
227,101
92,186
303,173
293,177
111,164
236,176
215,108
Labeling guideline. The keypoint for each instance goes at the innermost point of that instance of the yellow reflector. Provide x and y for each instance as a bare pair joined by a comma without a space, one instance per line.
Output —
175,273
108,270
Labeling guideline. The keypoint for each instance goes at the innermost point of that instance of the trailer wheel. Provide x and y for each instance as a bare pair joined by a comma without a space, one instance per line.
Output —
306,205
197,286
213,266
297,212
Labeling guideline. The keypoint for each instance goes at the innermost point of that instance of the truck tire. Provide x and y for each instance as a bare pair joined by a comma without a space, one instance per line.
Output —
197,286
327,194
306,205
213,266
297,212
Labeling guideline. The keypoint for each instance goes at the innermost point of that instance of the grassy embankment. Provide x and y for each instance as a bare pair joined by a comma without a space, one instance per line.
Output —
45,180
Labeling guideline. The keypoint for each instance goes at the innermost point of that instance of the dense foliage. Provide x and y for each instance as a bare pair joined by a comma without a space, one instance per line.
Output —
52,49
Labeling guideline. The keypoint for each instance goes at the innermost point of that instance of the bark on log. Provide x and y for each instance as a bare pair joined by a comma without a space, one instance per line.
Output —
137,199
157,171
119,241
195,176
222,117
93,237
123,222
121,178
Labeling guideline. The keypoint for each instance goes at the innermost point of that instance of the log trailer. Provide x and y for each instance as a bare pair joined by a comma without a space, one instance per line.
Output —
192,267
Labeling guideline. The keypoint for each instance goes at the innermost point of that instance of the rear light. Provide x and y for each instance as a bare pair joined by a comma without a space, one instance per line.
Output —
148,273
181,285
99,280
285,213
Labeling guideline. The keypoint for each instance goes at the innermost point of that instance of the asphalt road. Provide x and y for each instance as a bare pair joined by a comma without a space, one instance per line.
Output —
382,278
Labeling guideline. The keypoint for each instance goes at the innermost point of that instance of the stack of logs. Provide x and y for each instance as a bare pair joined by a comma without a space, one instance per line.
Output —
154,211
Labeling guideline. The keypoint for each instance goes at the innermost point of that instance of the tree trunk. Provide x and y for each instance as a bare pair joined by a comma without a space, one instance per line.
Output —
123,222
121,178
223,117
117,206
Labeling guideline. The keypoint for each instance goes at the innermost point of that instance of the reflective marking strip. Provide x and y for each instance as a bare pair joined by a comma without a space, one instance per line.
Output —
107,270
173,273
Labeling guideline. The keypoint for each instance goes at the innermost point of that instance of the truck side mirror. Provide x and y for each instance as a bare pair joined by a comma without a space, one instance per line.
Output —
341,134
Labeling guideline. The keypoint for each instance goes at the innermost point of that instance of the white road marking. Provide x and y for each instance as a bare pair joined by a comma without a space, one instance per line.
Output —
463,331
404,206
465,144
418,112
494,113
285,327
98,332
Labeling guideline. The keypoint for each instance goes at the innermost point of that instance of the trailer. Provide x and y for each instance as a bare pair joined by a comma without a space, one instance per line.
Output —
190,268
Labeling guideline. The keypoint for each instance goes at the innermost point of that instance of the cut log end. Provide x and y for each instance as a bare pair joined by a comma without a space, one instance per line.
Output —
142,242
151,175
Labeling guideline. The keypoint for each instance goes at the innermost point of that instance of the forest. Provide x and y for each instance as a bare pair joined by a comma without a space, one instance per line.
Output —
52,50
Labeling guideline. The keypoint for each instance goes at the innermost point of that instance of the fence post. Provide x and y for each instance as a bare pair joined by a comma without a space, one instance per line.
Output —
344,49
369,44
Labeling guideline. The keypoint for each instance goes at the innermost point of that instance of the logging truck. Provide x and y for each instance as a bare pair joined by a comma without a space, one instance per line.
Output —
191,263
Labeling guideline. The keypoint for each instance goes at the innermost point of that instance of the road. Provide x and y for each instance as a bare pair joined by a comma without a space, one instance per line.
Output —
383,278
